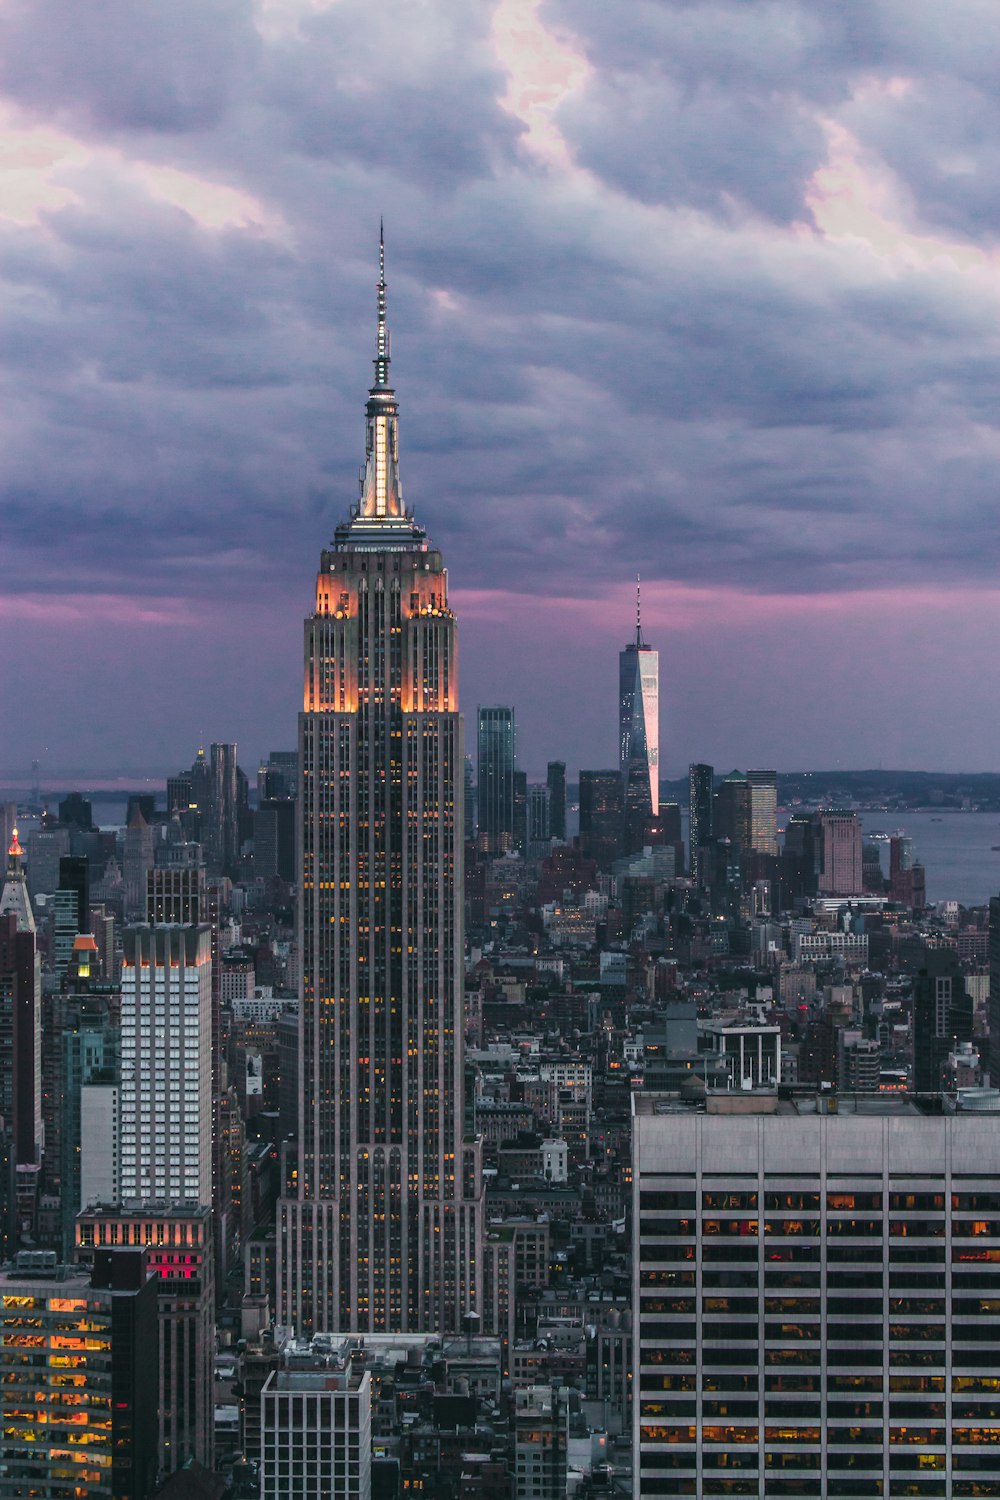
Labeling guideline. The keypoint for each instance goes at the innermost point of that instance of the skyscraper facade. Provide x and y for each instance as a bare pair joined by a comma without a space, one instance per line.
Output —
177,1242
21,1132
639,734
538,814
811,1290
496,746
166,1060
701,784
840,842
221,832
137,861
555,778
601,816
78,1392
942,1016
176,889
383,1230
763,811
316,1435
519,838
731,811
469,797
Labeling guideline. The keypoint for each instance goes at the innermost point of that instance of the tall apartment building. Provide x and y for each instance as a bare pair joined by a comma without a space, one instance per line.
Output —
383,1229
177,1241
77,1378
179,892
316,1441
166,1063
813,1298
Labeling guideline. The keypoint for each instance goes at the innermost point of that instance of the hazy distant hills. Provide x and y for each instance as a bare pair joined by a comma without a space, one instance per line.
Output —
977,791
884,789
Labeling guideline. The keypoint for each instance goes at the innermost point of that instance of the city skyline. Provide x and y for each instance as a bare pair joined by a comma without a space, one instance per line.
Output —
755,361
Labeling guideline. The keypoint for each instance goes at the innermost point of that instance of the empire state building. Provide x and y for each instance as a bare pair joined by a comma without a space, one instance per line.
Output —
381,1230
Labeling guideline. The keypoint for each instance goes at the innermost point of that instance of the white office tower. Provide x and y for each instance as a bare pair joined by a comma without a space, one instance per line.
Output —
166,1063
815,1297
316,1435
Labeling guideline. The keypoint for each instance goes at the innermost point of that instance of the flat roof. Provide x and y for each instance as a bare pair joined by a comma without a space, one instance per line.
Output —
929,1106
304,1381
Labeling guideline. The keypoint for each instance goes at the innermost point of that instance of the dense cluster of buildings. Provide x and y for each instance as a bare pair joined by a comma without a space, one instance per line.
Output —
408,1127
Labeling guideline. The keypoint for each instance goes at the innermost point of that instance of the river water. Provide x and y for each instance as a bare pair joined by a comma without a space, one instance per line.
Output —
955,848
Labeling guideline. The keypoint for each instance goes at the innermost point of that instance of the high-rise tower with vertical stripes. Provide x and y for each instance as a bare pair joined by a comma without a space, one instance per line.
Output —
639,733
382,1232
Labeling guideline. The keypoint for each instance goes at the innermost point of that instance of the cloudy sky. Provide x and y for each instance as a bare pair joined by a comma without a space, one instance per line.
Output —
700,290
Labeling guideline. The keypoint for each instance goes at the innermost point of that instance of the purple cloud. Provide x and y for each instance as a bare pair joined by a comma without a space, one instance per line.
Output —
709,292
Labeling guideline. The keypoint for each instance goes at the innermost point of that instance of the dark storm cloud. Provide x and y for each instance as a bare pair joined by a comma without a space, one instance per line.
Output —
940,140
656,350
716,104
163,65
426,110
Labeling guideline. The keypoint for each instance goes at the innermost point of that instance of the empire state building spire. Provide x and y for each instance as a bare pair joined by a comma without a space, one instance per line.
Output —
382,356
381,494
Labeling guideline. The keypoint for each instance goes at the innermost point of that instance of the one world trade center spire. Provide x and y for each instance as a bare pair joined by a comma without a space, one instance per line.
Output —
639,732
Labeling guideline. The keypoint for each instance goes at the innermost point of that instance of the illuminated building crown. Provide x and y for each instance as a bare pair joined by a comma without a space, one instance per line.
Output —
14,896
380,518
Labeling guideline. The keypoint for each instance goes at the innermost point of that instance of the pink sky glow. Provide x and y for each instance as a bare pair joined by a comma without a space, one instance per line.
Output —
702,287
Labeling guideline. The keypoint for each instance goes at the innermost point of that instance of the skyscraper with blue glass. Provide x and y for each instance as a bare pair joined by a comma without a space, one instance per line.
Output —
639,733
